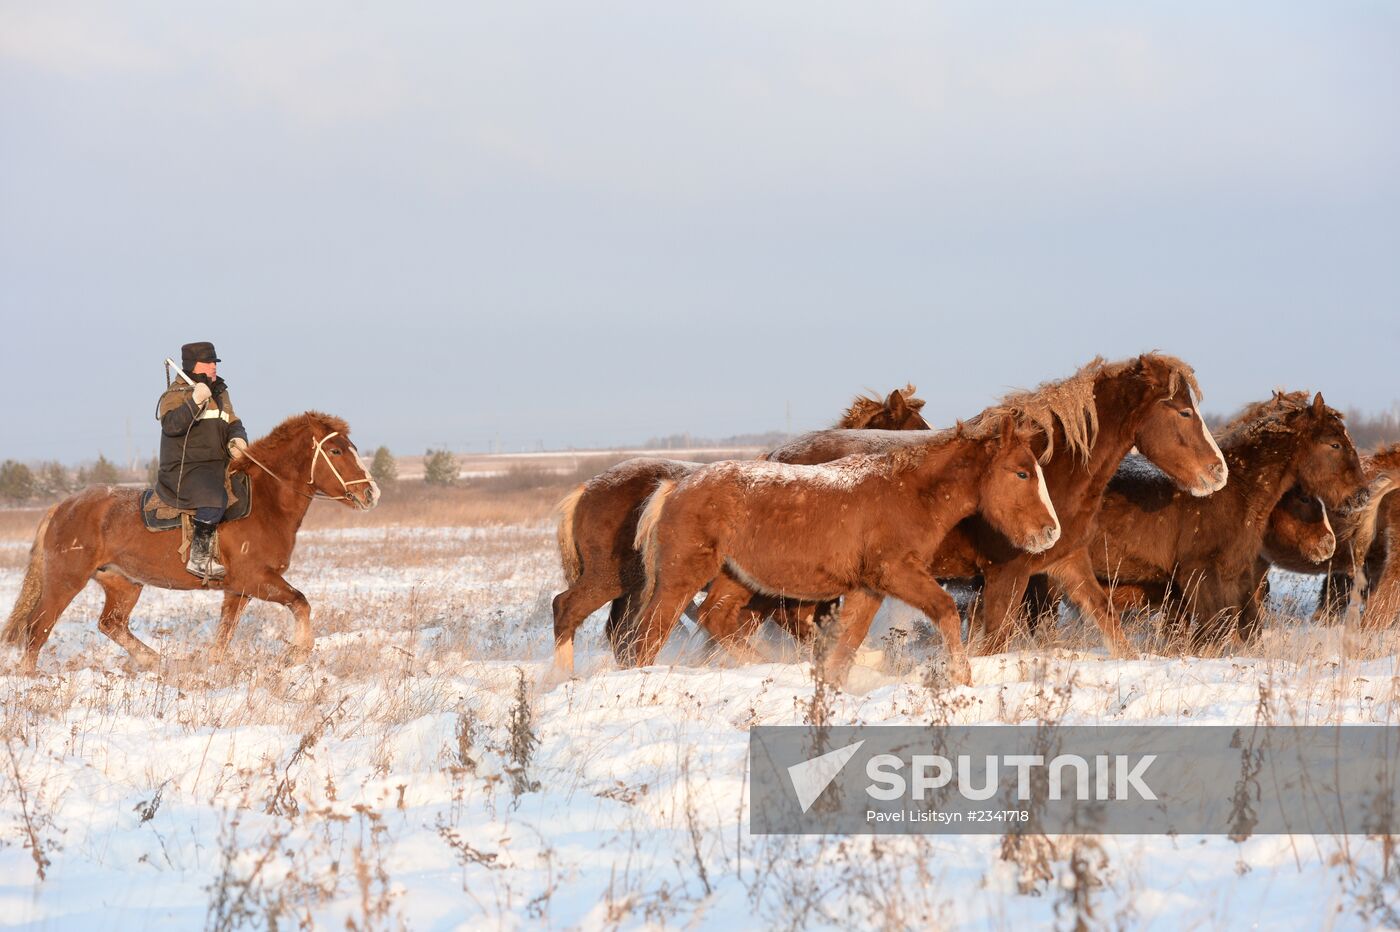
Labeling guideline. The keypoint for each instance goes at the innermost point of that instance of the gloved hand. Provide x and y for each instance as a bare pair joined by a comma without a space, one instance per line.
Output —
201,393
236,446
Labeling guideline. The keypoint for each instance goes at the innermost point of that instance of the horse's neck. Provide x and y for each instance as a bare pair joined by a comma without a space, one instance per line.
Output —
948,477
289,497
1261,471
1119,413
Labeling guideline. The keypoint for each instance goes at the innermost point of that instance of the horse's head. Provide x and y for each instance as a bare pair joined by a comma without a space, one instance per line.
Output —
1173,435
900,410
1327,463
1299,524
1013,494
337,471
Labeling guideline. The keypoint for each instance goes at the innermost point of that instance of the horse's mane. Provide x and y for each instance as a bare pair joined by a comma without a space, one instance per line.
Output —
1384,458
865,408
299,428
1070,402
1269,416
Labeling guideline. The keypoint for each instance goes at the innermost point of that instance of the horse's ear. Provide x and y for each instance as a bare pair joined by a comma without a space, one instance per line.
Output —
958,428
1008,431
895,404
1319,406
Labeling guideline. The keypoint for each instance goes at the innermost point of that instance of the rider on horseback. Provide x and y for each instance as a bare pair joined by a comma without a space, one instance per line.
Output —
199,435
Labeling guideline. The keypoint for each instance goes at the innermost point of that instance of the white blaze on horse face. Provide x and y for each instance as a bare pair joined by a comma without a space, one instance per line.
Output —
373,486
1325,552
1054,534
1204,490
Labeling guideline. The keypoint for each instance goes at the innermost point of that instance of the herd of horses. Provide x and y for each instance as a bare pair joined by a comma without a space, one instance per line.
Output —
1105,489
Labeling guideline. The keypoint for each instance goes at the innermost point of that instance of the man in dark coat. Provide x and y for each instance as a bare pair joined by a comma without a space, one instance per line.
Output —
199,434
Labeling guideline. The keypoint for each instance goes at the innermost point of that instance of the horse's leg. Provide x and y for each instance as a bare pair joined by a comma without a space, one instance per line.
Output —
271,587
1038,601
232,610
1383,604
1003,588
918,587
672,591
1075,577
571,607
122,594
858,610
1333,600
719,615
61,584
799,619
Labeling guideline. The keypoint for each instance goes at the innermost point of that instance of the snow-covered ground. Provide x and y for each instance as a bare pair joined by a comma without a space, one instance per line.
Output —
375,785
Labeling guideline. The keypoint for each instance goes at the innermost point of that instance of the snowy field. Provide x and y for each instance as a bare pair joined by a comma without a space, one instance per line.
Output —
381,785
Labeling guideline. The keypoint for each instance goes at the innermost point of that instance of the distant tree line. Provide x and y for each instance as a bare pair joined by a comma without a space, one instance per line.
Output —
21,484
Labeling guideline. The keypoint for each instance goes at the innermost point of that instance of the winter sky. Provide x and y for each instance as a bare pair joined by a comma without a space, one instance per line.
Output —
591,223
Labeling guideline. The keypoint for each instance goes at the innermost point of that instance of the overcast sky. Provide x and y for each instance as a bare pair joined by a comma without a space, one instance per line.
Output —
591,223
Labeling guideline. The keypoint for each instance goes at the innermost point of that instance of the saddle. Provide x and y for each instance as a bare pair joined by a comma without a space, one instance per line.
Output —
158,516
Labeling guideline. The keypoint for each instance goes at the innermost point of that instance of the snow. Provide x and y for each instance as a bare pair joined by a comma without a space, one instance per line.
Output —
337,790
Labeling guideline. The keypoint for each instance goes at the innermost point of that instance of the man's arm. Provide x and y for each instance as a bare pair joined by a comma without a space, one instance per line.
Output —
236,430
177,412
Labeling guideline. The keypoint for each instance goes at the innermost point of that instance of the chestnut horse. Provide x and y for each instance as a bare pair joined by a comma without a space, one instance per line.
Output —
1089,421
1362,567
869,522
598,524
1382,564
1208,550
99,534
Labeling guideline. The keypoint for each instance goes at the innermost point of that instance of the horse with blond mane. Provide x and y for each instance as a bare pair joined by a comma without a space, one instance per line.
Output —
1088,423
99,534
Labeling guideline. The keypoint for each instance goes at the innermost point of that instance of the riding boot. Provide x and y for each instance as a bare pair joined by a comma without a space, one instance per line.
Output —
204,559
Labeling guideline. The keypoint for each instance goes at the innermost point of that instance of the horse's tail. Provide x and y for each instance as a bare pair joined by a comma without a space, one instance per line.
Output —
19,626
645,542
568,550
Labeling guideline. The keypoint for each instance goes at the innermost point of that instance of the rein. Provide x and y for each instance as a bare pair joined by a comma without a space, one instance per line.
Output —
318,452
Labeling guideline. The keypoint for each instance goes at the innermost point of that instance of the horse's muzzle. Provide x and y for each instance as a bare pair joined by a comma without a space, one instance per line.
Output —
366,497
1211,481
1043,541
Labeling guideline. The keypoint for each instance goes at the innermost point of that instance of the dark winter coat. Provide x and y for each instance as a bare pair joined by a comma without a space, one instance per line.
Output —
194,445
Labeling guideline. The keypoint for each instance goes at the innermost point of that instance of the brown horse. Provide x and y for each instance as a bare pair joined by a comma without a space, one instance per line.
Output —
1208,550
99,534
1382,563
1089,422
1300,531
866,523
598,525
1362,560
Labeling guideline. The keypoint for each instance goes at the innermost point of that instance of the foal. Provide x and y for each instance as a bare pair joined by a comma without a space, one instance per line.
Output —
864,523
598,522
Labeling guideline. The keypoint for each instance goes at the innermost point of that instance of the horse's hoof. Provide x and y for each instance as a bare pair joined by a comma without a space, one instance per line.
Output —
554,676
960,671
143,663
296,656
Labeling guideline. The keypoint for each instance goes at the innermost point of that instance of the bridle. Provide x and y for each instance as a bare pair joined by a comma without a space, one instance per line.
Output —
318,452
